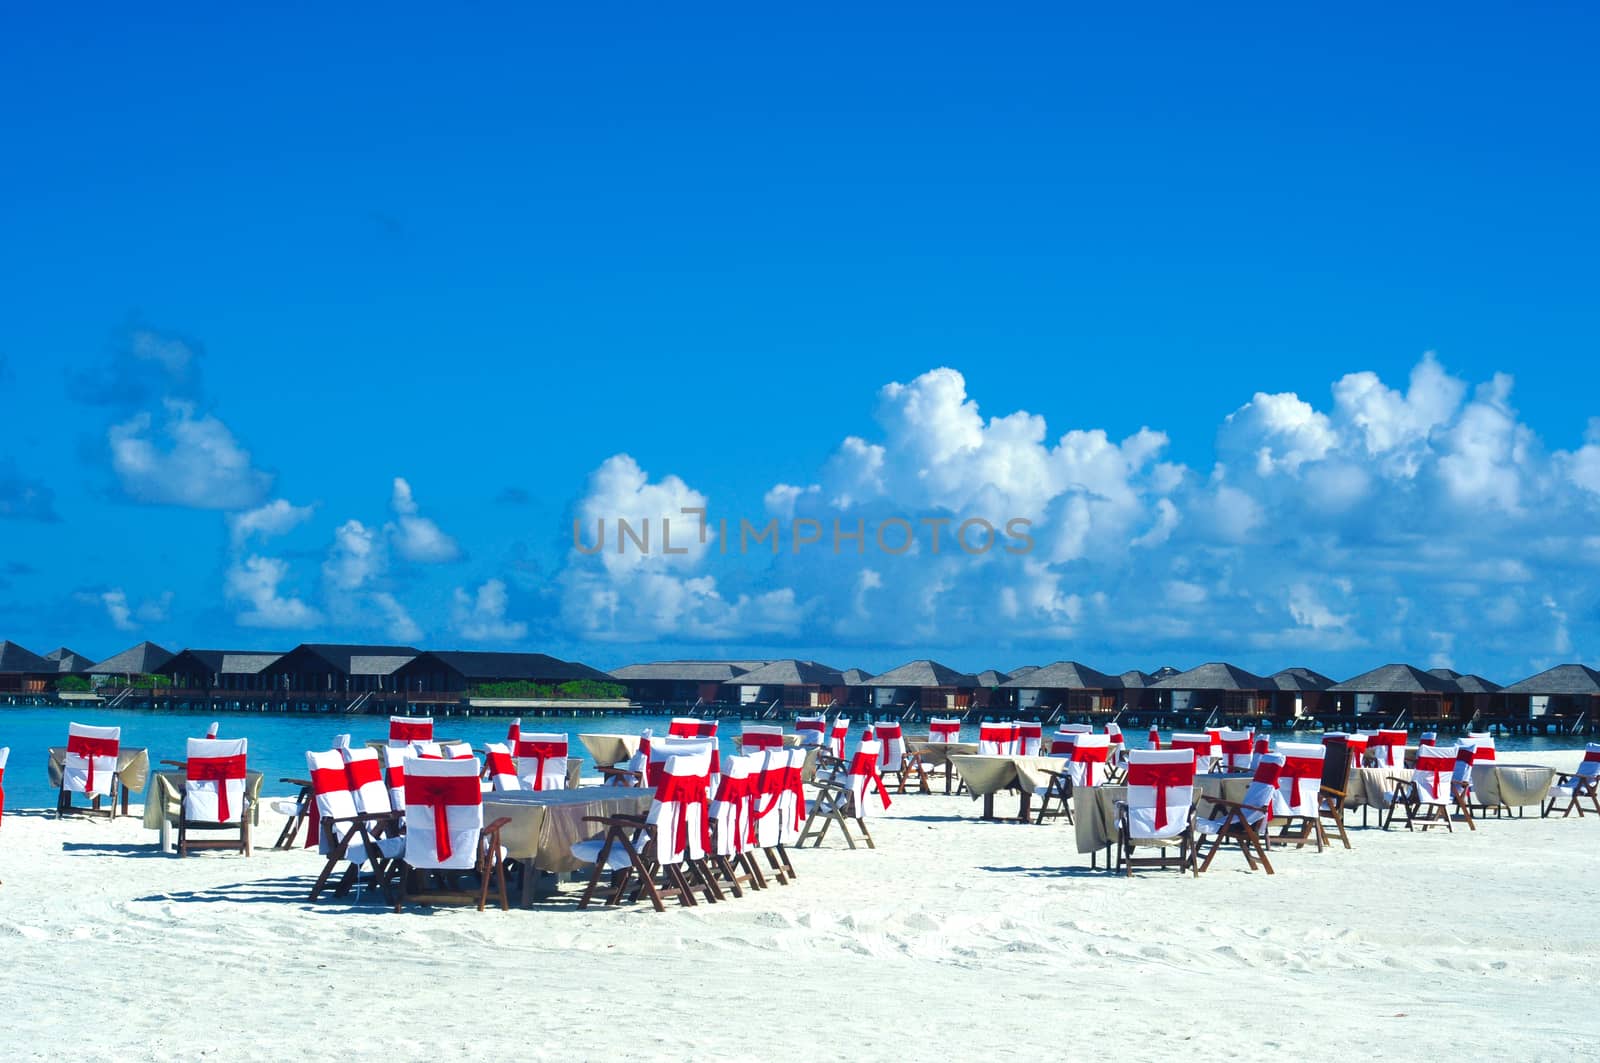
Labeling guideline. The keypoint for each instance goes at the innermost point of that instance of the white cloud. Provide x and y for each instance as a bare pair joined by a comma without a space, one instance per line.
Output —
416,538
273,519
397,622
125,616
481,617
357,556
254,582
188,460
116,603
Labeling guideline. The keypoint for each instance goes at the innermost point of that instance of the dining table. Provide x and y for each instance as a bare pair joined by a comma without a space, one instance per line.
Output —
133,769
546,823
986,775
608,750
163,802
934,754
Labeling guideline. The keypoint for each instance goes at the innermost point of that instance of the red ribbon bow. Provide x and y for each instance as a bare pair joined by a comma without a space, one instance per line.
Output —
539,752
323,781
865,764
1297,768
410,732
89,748
687,790
1161,777
441,791
218,770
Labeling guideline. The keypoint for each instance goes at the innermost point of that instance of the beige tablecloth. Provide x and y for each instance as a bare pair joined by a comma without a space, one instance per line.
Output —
609,750
545,823
133,767
988,775
936,753
1225,787
789,742
1094,813
1514,785
1366,786
164,800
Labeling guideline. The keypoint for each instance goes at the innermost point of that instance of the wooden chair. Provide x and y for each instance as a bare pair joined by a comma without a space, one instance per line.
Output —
403,730
1238,751
214,797
1158,811
345,834
1058,784
813,730
895,760
1425,797
1462,794
1387,748
90,768
446,839
754,737
1030,738
733,824
1243,823
1336,761
1300,786
500,769
1197,743
1117,763
294,811
631,774
1579,789
541,760
841,800
999,739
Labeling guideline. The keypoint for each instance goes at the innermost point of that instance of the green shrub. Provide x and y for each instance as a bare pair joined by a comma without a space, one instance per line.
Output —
73,684
585,689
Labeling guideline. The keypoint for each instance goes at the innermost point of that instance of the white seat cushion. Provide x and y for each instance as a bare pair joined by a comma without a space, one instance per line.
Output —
589,852
286,807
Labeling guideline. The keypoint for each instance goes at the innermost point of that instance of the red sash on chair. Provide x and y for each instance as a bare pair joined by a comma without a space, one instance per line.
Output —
89,748
501,763
761,740
1435,766
1155,738
218,770
539,752
410,732
944,732
866,764
1298,768
1089,756
791,782
323,781
1162,777
514,732
441,791
738,792
363,771
687,790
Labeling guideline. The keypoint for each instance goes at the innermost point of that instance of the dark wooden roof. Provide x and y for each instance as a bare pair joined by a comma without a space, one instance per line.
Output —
1395,679
992,677
1468,683
1066,675
856,677
222,662
922,674
791,673
1562,679
491,665
1218,675
685,671
143,659
349,659
1134,679
1300,679
17,660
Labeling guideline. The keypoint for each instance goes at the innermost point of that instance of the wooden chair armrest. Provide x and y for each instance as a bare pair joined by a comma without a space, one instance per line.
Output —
495,827
616,821
179,764
296,782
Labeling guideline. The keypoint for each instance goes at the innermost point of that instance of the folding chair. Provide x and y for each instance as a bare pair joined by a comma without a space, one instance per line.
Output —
446,838
839,800
214,795
345,834
1387,749
895,760
1198,743
1215,734
1089,755
90,768
1030,736
1158,811
836,744
773,812
1336,761
1243,822
1117,764
1580,789
813,730
757,736
1153,739
944,729
733,833
631,775
1358,749
1425,797
1238,751
999,739
500,769
541,760
1482,745
1300,785
404,730
1461,791
1058,784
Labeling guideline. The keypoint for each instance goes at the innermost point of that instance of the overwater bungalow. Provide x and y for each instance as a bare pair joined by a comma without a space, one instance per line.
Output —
1396,693
1568,694
1232,692
1299,692
319,671
69,662
447,675
857,694
681,682
988,693
24,672
145,659
1075,689
923,685
794,684
208,672
1138,691
1476,697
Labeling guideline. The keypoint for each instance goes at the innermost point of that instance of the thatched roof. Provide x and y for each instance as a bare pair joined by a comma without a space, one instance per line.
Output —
922,674
1395,679
1218,675
1135,679
69,662
856,677
1562,679
791,673
991,677
1066,675
1467,684
685,671
143,659
1300,679
487,665
222,662
1019,672
16,659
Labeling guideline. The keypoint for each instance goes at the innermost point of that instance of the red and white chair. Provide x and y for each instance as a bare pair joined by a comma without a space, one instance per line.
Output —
1263,746
445,833
1054,798
345,834
90,767
837,736
896,760
1300,787
1358,745
1153,739
1425,797
1216,743
1483,746
779,807
1197,743
944,729
1462,791
404,730
847,798
541,760
681,818
691,727
758,736
1238,750
1244,822
212,731
214,795
500,769
1089,756
1429,738
1119,753
733,834
999,739
1387,749
813,731
1158,810
1030,737
1580,789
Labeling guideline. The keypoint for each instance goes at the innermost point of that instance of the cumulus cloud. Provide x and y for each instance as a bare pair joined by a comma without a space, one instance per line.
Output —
254,583
125,616
269,521
416,538
397,622
145,365
187,459
481,617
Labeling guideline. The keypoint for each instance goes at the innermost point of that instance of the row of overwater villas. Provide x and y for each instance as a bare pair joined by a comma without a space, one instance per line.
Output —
322,670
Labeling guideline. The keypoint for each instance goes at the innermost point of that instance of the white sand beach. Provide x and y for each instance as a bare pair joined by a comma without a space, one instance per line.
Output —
954,938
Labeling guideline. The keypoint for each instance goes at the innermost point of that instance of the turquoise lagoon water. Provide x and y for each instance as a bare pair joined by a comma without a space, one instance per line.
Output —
278,742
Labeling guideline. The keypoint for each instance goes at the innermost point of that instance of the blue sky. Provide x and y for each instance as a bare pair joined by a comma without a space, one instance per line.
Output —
296,257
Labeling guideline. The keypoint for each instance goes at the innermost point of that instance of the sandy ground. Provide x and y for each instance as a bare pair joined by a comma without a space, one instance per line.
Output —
956,937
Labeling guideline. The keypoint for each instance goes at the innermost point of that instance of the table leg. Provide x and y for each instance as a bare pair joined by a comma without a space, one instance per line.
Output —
1027,807
949,772
988,806
529,873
